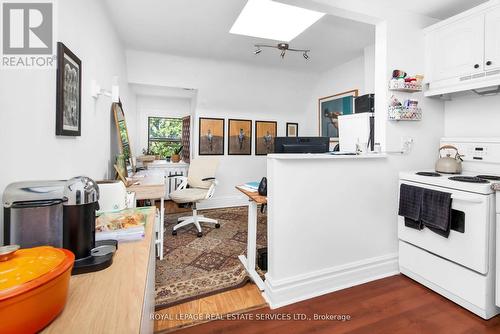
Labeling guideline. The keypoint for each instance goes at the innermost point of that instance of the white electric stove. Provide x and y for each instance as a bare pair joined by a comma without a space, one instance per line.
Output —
462,266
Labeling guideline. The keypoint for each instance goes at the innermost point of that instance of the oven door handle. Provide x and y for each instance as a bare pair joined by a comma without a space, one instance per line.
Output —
469,200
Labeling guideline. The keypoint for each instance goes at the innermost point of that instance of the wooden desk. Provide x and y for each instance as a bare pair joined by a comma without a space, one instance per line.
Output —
249,260
118,299
151,186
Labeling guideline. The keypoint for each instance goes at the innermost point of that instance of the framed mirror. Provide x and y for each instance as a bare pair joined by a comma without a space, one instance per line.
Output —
123,138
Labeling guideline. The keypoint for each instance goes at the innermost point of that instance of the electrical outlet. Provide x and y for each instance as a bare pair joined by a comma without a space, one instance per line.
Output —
406,144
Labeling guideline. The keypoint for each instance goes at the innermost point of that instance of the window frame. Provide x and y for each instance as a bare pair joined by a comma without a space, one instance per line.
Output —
163,140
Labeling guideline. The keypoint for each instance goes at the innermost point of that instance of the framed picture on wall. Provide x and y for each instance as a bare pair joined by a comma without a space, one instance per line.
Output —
69,93
265,133
211,136
292,129
240,137
330,108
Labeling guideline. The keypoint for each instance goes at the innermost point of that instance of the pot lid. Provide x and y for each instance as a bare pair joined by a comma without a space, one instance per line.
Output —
29,265
81,190
32,191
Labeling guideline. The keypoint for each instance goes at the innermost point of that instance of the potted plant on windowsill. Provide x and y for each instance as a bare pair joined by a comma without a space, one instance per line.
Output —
176,157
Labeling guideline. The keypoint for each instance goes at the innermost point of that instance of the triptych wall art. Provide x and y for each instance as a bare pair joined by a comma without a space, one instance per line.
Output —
241,137
211,136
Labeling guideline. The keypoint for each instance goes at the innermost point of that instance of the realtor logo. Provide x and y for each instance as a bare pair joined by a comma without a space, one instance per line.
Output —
27,34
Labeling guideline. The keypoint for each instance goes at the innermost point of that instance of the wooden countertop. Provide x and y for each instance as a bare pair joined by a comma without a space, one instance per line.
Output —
111,300
254,196
149,185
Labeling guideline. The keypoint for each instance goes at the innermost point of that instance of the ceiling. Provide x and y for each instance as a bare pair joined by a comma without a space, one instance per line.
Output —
200,28
162,91
439,9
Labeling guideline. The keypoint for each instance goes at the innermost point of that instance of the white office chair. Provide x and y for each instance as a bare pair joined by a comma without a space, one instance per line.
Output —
198,186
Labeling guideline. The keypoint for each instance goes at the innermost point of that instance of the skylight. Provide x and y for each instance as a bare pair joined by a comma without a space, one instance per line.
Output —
273,20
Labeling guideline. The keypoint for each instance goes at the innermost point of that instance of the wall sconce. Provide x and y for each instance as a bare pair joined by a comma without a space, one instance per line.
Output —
97,91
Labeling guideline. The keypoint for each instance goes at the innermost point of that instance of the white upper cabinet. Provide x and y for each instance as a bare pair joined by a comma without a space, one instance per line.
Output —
463,52
492,40
458,49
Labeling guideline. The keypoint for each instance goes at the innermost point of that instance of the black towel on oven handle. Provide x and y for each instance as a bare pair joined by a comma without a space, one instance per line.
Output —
436,211
410,205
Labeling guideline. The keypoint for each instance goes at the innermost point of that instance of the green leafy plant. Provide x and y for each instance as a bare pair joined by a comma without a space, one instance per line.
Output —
178,150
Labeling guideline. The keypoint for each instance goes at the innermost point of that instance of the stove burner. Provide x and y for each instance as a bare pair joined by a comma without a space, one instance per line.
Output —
428,174
470,179
489,177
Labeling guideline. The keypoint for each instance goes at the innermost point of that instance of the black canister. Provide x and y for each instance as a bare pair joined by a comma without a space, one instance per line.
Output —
81,202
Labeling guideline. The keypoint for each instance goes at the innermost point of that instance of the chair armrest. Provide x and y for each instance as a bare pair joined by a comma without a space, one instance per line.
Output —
211,190
212,179
183,179
177,177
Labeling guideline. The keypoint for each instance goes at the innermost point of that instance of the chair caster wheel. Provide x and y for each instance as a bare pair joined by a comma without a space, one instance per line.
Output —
174,232
217,225
199,235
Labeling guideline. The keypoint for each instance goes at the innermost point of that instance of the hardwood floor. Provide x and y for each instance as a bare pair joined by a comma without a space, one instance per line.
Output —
243,299
391,305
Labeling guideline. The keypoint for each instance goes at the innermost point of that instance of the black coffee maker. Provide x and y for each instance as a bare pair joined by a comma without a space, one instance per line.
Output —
81,195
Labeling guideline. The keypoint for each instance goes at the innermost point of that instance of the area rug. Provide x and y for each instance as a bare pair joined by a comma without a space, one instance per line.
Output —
195,267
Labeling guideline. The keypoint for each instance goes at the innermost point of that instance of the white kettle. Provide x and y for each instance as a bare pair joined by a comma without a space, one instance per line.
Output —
449,164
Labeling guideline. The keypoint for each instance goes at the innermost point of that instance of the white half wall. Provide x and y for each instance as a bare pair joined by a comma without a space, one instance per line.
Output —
331,229
29,148
229,90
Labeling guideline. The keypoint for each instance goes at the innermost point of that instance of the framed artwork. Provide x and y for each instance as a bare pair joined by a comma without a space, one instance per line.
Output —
330,108
292,129
240,137
265,133
211,136
69,93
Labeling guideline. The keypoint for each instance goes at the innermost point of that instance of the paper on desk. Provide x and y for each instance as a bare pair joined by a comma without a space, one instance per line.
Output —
246,188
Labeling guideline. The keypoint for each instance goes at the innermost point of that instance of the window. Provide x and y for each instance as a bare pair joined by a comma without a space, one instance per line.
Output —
164,135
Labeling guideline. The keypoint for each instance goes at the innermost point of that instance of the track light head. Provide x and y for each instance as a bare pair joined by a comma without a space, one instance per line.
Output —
283,47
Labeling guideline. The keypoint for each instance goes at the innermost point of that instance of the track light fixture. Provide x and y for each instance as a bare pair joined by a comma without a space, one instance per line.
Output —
284,47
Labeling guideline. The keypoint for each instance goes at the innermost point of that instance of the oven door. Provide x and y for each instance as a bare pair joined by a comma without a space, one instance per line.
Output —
467,243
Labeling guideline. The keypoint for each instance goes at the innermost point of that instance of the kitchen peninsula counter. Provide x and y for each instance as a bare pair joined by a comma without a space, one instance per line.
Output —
331,222
325,156
118,299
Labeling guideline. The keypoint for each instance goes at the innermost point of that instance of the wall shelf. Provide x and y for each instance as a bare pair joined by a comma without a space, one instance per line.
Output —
404,114
407,87
406,90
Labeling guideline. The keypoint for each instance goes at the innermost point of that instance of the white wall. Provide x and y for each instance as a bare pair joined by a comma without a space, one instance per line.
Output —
28,145
156,106
369,66
472,116
345,77
229,90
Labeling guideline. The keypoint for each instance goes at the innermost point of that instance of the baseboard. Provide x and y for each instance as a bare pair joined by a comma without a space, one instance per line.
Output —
283,292
223,202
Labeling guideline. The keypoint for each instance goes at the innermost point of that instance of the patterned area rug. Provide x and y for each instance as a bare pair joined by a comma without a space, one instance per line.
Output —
195,267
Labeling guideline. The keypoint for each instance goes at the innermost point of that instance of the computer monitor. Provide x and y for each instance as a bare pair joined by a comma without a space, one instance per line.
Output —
301,144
